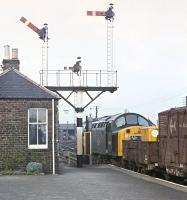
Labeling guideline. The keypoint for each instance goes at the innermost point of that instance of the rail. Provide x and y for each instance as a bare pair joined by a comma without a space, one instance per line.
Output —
88,78
67,152
69,157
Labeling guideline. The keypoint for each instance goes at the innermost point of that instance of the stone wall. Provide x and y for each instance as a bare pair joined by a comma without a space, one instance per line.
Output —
14,152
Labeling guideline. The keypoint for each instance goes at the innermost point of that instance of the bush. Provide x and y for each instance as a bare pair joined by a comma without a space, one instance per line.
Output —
34,167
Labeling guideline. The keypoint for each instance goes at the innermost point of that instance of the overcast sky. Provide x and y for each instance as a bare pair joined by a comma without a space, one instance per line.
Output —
150,48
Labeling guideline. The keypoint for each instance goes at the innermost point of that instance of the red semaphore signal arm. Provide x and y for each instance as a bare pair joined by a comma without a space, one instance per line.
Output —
96,13
30,25
40,32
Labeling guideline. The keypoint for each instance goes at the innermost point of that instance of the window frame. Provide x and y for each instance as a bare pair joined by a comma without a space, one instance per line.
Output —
145,120
127,120
122,125
38,146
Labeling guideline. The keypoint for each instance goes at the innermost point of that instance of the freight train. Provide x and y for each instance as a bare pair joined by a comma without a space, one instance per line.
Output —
132,141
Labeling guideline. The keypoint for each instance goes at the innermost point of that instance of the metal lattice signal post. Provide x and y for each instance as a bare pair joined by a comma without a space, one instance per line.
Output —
109,16
43,35
110,51
45,56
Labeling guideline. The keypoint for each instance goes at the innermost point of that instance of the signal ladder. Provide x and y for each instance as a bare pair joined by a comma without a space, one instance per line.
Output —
45,63
110,52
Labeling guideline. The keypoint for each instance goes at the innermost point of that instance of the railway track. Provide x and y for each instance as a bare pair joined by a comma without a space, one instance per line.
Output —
67,151
149,178
68,156
155,175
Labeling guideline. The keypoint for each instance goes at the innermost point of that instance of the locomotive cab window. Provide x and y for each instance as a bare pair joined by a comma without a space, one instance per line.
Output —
132,119
142,121
120,122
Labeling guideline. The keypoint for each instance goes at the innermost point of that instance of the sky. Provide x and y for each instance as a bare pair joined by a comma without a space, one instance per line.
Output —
150,49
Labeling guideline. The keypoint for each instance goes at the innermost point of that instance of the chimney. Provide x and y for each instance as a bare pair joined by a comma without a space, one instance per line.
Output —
7,52
14,53
13,62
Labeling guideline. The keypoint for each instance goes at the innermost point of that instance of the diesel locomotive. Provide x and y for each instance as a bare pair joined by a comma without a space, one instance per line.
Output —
108,134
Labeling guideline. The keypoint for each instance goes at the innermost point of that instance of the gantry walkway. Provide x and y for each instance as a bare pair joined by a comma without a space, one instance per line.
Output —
87,81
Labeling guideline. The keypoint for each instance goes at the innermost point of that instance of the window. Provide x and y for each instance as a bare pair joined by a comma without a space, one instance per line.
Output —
37,128
132,119
142,121
120,122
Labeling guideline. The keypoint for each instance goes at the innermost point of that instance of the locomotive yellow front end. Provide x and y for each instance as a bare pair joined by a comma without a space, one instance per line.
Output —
149,134
136,133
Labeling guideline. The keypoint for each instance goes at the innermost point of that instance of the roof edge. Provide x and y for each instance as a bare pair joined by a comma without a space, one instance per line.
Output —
34,83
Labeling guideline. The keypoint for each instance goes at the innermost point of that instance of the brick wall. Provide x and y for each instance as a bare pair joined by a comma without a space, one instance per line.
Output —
14,152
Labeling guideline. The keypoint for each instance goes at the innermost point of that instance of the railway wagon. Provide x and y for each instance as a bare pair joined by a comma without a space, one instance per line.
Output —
140,153
173,141
141,156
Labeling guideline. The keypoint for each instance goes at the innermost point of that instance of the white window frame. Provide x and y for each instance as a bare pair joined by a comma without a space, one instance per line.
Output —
38,146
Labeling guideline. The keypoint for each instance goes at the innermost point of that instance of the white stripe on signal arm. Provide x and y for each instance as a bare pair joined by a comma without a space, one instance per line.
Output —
27,23
68,68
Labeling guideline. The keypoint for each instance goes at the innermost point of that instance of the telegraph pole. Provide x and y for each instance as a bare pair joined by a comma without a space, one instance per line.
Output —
96,111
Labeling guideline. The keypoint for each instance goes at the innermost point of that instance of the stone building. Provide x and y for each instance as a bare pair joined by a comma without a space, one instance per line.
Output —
28,121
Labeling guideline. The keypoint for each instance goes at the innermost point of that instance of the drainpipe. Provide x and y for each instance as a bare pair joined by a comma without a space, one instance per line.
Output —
53,135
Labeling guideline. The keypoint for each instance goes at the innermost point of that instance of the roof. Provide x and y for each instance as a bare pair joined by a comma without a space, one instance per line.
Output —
114,117
106,118
15,85
176,109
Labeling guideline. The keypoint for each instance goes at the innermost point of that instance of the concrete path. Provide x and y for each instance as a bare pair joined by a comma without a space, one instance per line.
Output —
90,183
